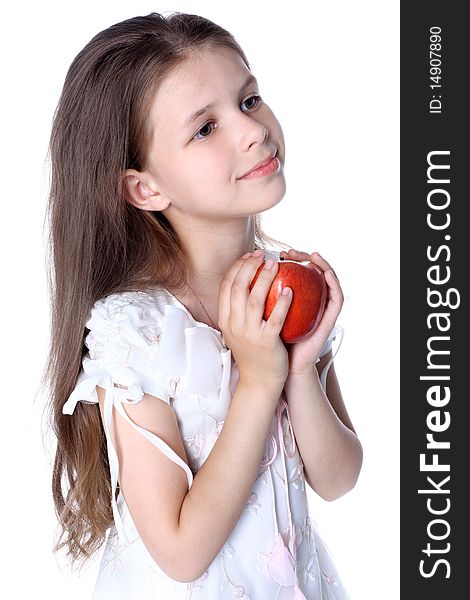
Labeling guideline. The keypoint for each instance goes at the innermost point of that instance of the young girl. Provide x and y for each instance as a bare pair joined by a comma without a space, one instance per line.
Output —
186,429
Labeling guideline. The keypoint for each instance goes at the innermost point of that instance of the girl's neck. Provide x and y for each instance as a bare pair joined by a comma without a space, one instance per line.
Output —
212,251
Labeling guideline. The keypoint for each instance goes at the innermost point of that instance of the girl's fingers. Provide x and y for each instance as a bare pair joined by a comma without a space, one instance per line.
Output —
294,255
334,303
257,298
335,291
235,296
234,290
321,262
315,257
225,290
243,307
304,256
278,315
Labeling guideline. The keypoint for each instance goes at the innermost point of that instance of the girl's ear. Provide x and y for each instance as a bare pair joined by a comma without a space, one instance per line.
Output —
140,191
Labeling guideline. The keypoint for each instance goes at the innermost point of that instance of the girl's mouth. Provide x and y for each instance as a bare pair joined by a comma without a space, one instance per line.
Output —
267,168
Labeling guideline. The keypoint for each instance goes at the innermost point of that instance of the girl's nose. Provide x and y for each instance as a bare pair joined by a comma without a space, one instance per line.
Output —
253,132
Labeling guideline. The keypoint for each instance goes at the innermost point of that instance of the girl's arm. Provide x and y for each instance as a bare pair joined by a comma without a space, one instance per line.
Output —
330,449
184,530
327,442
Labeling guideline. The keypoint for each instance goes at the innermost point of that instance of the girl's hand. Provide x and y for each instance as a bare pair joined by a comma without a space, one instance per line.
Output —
257,348
303,354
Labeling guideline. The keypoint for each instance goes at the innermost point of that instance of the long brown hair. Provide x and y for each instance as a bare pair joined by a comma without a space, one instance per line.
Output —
98,243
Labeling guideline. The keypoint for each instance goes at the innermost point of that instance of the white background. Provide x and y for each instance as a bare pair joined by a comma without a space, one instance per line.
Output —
329,70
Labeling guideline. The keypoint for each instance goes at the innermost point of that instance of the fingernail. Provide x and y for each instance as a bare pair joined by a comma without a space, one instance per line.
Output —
246,255
257,253
286,291
269,264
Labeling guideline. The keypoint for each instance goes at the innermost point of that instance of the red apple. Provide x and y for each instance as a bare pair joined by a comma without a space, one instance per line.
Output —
309,293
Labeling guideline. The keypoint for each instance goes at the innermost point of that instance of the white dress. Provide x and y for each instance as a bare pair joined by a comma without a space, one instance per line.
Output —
151,344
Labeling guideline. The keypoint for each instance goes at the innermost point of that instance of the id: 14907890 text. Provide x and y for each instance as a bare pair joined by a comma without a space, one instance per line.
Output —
435,70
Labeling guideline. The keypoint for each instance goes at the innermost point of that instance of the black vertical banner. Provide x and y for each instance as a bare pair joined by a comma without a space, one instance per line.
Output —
435,324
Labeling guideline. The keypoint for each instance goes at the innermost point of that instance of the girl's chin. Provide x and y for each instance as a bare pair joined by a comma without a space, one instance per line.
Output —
269,203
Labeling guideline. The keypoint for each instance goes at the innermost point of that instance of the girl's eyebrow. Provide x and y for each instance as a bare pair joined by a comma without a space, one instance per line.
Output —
251,79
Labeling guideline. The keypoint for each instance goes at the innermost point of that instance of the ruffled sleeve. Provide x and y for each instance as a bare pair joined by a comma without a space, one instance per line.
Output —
138,343
123,346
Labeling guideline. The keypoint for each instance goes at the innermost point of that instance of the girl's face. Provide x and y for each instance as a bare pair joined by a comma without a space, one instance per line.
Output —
196,163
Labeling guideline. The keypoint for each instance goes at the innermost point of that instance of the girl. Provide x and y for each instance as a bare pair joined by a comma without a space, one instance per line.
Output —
185,428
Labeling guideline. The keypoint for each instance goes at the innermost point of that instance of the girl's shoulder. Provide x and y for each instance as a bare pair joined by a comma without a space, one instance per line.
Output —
148,342
130,308
138,302
153,322
122,322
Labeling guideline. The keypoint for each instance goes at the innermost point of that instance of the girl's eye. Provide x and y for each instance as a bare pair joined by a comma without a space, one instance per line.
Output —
255,97
206,129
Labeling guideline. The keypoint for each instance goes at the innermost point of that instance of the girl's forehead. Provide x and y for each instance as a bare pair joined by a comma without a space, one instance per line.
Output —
204,69
197,82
